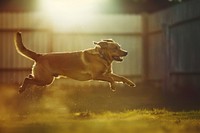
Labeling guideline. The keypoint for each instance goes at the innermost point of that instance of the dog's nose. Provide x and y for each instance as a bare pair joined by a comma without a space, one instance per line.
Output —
125,53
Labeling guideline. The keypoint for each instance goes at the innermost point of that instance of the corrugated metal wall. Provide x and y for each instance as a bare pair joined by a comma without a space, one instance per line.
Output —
40,36
182,42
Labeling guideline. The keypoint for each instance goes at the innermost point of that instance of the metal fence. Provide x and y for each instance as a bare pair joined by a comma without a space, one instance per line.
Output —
174,45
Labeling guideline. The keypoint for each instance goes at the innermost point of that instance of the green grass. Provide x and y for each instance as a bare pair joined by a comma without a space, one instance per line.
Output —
64,109
141,121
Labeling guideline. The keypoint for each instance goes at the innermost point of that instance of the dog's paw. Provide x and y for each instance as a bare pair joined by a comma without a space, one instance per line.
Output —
132,85
112,87
21,89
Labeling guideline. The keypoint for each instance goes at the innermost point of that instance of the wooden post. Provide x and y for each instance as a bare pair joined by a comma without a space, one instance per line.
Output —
145,46
166,36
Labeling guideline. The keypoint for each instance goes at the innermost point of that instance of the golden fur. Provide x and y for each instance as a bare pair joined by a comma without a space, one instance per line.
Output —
90,64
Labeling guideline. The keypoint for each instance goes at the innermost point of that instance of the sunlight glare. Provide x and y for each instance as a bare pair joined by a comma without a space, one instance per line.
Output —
65,14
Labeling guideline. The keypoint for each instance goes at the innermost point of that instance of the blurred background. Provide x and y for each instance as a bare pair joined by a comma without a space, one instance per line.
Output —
161,36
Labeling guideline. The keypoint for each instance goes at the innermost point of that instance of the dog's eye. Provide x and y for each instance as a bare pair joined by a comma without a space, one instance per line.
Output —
115,49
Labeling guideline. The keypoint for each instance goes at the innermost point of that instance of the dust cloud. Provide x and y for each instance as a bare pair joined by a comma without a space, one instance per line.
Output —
36,103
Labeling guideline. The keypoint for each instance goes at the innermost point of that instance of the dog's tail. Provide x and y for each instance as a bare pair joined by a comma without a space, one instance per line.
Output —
23,50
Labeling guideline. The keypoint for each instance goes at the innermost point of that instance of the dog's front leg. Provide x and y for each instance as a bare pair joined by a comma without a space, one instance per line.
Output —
118,78
108,79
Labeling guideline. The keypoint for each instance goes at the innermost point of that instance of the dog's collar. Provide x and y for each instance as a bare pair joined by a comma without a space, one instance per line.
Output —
102,55
98,51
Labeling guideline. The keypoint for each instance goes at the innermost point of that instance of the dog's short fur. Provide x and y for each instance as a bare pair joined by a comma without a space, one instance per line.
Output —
91,64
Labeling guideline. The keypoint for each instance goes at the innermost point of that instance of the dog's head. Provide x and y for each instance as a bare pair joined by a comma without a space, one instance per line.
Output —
111,50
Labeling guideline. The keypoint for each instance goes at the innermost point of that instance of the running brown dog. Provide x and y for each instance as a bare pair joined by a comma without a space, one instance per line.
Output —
90,64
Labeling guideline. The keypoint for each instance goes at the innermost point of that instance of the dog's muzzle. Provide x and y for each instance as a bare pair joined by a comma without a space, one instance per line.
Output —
122,54
125,53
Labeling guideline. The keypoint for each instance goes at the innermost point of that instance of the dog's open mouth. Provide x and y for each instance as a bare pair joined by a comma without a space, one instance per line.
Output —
117,58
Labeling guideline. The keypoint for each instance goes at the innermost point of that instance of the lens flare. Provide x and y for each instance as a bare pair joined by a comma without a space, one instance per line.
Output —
66,14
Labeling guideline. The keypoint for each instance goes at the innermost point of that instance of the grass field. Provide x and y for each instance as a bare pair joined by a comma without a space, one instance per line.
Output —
62,109
140,121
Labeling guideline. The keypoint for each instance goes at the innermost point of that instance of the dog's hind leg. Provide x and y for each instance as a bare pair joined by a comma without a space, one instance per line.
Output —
32,81
40,76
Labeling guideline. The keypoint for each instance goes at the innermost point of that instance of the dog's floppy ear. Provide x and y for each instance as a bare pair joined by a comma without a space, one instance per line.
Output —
108,40
95,42
102,44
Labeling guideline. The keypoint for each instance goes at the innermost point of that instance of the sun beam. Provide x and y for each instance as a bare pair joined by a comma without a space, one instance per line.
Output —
65,14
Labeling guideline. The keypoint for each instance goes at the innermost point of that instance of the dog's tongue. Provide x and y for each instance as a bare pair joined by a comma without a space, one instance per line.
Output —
117,58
